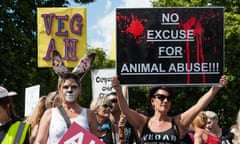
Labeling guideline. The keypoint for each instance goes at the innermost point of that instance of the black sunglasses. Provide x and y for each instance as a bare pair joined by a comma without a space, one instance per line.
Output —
163,97
114,100
105,106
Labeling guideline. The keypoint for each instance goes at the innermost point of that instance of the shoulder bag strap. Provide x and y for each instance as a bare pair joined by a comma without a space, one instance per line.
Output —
67,120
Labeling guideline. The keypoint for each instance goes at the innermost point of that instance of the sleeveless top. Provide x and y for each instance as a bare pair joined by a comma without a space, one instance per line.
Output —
227,136
169,136
108,139
213,139
58,126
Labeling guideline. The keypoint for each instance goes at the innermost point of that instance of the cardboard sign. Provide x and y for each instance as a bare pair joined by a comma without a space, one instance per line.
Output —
62,29
102,82
31,99
170,46
78,135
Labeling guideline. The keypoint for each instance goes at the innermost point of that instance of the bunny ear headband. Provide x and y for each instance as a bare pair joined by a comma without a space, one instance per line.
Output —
82,67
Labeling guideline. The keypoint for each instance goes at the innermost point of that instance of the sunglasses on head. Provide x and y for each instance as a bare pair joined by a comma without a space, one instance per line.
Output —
105,106
114,100
163,97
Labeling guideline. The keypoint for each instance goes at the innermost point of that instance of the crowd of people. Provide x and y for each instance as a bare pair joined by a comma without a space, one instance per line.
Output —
110,119
107,115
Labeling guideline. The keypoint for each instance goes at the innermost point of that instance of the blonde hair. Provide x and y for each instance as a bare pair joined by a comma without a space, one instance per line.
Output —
37,113
211,115
50,99
200,120
96,103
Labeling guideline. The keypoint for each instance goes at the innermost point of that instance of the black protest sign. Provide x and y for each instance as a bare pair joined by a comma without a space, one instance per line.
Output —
169,46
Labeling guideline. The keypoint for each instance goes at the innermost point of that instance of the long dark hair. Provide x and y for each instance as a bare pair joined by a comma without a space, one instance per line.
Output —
7,104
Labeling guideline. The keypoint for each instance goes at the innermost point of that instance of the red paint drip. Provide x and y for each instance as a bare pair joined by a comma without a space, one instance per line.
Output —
192,23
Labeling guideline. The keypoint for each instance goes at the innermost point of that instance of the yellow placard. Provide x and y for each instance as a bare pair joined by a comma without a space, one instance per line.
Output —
113,47
63,29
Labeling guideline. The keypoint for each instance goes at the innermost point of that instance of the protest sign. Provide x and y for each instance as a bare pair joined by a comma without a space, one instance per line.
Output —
78,135
170,46
31,99
64,30
102,82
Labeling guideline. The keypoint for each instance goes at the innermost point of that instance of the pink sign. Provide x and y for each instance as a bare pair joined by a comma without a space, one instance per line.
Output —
78,135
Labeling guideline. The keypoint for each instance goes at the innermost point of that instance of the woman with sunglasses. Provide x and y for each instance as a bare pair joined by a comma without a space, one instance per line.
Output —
162,128
102,109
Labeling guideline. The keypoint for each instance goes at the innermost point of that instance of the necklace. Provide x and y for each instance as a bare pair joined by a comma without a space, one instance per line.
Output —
71,110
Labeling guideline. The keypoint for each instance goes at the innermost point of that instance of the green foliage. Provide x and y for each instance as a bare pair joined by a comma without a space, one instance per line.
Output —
18,48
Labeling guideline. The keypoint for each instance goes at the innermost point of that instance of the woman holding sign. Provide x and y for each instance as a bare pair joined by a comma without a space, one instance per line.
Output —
160,127
56,121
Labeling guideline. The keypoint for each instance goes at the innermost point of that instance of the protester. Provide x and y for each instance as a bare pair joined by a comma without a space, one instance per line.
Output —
12,129
161,127
202,136
53,126
213,126
234,130
236,139
102,108
53,100
35,117
126,133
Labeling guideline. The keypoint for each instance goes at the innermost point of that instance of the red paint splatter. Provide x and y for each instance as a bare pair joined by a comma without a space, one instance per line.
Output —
133,26
192,23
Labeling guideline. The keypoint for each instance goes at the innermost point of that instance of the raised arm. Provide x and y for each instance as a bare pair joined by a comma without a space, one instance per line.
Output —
187,117
134,118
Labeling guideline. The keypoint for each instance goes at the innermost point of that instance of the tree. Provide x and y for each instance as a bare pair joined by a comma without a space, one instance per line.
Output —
18,48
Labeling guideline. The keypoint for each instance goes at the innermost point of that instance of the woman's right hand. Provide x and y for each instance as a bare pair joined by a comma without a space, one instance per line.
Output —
116,84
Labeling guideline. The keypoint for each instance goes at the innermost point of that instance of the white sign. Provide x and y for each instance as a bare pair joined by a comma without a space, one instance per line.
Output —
31,98
102,82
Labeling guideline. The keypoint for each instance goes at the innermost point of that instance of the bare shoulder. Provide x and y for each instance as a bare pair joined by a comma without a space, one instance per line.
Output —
90,114
47,115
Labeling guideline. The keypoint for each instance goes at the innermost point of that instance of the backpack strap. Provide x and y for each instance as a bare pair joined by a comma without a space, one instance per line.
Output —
66,118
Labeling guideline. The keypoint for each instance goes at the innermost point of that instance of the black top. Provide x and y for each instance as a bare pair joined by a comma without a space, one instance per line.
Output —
169,136
188,138
227,136
129,133
108,138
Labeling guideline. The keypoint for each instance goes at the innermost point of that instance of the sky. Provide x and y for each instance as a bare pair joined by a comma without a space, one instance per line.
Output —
101,20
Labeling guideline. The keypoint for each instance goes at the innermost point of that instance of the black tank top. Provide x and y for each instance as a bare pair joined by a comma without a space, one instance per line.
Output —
108,139
169,136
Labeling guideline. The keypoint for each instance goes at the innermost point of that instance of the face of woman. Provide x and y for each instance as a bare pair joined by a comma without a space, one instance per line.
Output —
70,90
161,101
104,110
3,115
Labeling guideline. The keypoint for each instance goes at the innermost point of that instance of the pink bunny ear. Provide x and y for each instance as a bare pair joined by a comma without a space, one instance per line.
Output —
57,63
84,64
